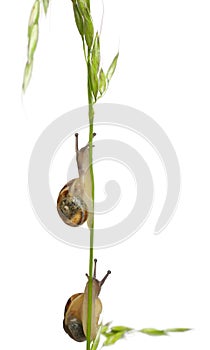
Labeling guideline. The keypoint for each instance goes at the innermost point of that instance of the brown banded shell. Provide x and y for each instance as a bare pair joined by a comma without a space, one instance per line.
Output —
72,323
70,205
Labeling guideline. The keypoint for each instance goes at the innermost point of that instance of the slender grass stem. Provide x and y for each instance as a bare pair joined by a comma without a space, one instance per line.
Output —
91,249
84,49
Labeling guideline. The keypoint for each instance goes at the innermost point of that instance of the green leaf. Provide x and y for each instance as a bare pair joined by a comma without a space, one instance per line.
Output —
88,4
170,330
120,329
108,334
102,82
45,5
27,75
113,338
112,68
78,19
88,31
88,23
105,327
97,338
33,39
153,331
34,16
96,53
83,7
94,82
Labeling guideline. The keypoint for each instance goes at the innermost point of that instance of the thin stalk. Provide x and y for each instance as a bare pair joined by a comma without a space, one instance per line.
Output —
91,249
84,50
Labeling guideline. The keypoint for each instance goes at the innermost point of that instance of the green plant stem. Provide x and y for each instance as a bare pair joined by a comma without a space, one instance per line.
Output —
91,249
84,49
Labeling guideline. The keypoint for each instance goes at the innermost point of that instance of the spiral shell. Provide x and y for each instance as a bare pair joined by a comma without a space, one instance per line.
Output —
70,205
72,323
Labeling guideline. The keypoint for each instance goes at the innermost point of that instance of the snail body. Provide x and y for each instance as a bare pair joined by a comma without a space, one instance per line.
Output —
73,202
76,310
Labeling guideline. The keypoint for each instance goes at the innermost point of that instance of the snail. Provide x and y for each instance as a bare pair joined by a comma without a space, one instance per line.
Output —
76,310
73,200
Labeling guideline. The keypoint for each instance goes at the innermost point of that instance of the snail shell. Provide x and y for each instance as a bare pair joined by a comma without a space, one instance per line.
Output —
70,205
72,323
76,311
73,201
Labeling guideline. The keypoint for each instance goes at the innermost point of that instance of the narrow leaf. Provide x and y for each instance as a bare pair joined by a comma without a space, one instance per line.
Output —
120,329
94,82
96,53
83,7
97,338
105,327
113,338
27,75
88,23
45,5
112,68
170,330
78,19
33,39
108,334
88,31
88,4
34,16
153,331
102,82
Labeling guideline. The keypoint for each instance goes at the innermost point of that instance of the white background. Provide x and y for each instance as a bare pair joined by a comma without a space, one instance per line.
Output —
157,281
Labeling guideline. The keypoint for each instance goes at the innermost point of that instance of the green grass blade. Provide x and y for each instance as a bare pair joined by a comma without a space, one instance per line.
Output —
115,333
120,329
95,59
153,331
88,31
88,4
97,338
34,17
94,82
102,82
177,330
105,328
113,338
33,35
112,68
27,75
78,19
88,23
45,5
33,40
83,6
